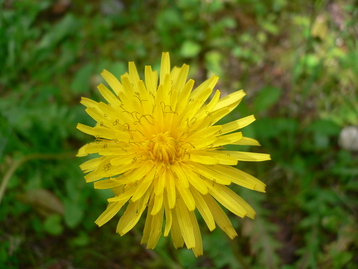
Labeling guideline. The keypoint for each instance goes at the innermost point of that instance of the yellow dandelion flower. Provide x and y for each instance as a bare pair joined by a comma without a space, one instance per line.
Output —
160,150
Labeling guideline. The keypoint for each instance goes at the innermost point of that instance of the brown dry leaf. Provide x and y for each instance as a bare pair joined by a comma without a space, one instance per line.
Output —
44,201
60,7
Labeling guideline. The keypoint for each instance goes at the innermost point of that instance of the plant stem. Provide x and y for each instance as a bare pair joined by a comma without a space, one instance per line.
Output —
36,156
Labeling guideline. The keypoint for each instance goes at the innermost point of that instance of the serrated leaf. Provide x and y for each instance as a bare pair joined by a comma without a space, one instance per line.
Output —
261,233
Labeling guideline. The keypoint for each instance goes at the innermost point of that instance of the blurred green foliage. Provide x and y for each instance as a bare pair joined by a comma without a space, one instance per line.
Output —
296,60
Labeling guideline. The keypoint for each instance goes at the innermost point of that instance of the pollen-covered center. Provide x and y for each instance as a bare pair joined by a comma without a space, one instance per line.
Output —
164,148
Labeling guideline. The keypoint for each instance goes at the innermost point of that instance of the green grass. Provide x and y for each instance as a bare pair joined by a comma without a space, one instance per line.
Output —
298,65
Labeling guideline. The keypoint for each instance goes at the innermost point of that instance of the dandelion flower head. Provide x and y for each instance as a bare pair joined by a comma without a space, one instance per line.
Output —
161,152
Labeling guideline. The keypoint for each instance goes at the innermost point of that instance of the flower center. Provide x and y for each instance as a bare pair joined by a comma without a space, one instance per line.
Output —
163,148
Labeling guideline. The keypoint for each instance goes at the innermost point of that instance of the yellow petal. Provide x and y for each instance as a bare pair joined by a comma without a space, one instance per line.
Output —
109,96
136,175
123,159
210,118
91,165
195,102
227,139
155,229
211,174
103,148
168,216
230,101
220,217
88,102
198,249
158,204
194,179
185,225
176,234
205,132
98,116
133,73
112,81
85,129
204,210
148,223
207,85
109,213
132,214
126,193
144,98
220,193
107,183
212,157
182,77
164,67
247,142
241,178
248,156
187,197
199,157
213,102
109,133
159,183
144,185
184,96
93,176
180,175
82,151
237,124
170,189
151,80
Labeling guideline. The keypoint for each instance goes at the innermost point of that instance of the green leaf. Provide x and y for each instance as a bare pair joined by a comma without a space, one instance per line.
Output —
190,49
352,185
118,69
53,225
324,127
267,97
264,245
73,213
67,25
213,62
167,19
229,22
81,240
81,81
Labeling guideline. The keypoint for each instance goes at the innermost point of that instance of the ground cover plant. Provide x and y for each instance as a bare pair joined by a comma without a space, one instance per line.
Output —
297,62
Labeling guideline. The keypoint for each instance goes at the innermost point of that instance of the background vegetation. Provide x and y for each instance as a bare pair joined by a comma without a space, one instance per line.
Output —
296,60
